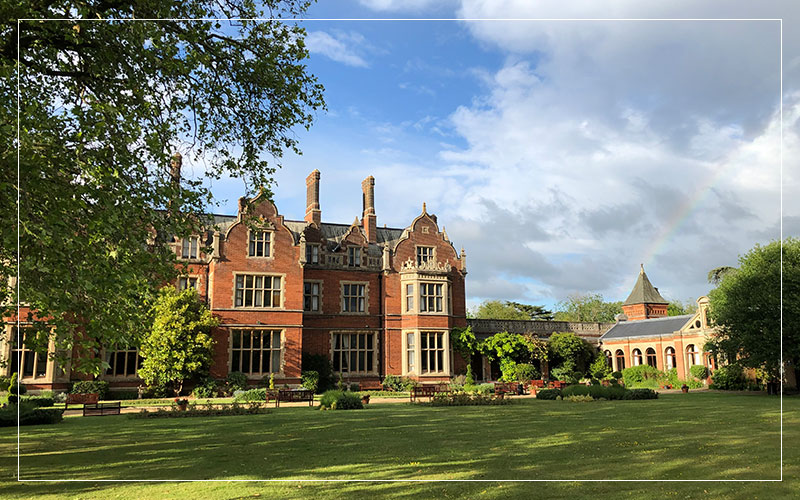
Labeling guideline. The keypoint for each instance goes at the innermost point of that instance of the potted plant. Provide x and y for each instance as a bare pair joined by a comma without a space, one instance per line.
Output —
684,388
182,403
365,399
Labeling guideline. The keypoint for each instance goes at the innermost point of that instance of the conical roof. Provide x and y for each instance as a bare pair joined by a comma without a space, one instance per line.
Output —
644,292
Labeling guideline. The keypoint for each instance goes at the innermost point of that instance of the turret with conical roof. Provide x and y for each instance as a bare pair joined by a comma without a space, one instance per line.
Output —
644,302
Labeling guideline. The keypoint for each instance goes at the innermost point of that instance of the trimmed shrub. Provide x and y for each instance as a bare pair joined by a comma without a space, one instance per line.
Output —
616,375
5,383
206,388
251,395
575,390
699,372
550,394
599,368
578,399
729,378
90,387
236,381
467,399
310,380
636,375
36,401
399,384
157,392
469,379
340,400
13,388
613,392
566,374
29,414
207,410
122,395
641,394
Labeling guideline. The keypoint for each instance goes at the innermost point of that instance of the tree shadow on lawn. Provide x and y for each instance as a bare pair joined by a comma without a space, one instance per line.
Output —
670,438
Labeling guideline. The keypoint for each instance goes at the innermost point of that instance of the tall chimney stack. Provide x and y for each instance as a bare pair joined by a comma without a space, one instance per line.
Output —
313,212
369,219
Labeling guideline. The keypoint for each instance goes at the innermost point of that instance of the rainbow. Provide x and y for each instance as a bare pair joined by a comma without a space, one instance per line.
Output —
682,213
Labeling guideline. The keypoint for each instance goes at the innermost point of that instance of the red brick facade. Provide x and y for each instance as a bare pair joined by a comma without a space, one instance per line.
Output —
361,276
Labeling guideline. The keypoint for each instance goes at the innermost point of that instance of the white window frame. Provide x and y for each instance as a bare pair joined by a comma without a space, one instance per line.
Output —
189,245
244,276
409,297
412,353
185,282
344,298
313,253
318,296
250,350
266,240
438,300
425,254
367,356
354,257
11,341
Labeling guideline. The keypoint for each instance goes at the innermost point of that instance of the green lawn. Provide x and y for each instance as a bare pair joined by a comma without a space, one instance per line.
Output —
694,436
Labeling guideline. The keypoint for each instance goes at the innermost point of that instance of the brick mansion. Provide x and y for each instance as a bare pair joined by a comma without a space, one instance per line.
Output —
374,300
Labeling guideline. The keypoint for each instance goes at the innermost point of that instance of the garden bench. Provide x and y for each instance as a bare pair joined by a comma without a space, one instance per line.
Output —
83,399
293,396
428,391
538,383
506,388
371,386
101,409
558,384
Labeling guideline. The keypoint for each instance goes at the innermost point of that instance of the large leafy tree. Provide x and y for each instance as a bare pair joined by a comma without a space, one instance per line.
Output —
511,349
746,308
103,105
495,309
179,344
570,353
588,307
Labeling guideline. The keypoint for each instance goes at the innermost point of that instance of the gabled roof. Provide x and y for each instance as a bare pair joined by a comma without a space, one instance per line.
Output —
644,292
647,327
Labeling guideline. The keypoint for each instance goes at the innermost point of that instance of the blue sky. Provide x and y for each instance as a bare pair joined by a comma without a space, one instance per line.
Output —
561,155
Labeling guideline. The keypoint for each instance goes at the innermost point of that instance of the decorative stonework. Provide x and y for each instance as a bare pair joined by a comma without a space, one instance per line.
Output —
429,266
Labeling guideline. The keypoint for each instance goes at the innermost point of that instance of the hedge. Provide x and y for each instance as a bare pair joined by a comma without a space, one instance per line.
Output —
29,414
90,387
548,394
340,400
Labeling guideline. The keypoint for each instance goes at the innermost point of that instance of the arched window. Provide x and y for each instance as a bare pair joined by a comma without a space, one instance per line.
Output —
637,357
620,360
670,355
609,359
651,357
691,355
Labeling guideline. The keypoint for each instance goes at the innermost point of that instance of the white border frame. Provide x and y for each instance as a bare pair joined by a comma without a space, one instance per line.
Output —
780,106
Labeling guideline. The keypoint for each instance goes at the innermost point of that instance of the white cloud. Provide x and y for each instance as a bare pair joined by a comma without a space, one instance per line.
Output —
340,47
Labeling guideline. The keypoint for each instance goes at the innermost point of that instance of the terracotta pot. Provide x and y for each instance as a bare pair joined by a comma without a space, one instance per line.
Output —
684,389
365,399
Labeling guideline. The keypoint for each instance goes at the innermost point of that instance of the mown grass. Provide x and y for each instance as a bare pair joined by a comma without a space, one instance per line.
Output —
678,436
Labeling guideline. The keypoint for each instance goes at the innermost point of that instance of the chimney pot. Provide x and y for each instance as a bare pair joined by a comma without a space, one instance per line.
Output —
313,211
369,219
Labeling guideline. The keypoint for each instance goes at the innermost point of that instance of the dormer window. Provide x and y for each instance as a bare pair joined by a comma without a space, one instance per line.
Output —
190,247
259,243
353,257
312,254
424,254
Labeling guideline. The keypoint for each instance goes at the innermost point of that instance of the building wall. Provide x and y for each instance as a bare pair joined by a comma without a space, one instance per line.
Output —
302,331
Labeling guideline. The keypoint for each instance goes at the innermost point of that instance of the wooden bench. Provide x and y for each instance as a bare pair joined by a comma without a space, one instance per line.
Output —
509,388
291,396
557,384
428,391
90,409
82,399
372,385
